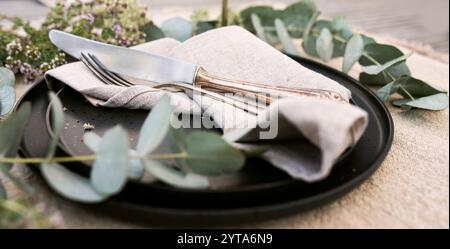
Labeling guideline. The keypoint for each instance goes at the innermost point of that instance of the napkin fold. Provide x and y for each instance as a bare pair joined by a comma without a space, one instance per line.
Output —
310,133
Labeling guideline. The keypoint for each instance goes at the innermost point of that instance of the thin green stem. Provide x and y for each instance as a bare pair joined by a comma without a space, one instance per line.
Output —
224,13
370,58
314,33
407,93
38,160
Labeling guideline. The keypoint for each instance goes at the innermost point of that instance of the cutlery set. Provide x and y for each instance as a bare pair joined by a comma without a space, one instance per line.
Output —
109,62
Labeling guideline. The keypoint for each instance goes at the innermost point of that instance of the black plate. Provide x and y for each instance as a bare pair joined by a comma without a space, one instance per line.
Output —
274,195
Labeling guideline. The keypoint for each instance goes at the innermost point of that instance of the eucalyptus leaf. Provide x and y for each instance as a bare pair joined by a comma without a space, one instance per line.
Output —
417,88
340,27
3,194
70,185
384,92
203,26
324,45
57,122
353,51
152,32
266,14
376,69
178,143
7,99
367,39
433,102
341,24
379,54
92,141
178,28
258,27
7,77
155,127
209,154
110,171
297,16
285,39
175,177
136,169
12,130
309,39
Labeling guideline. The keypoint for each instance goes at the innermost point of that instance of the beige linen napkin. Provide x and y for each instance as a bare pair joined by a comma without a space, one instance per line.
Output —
312,133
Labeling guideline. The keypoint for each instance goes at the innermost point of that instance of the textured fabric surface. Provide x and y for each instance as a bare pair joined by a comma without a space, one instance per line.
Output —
410,190
235,53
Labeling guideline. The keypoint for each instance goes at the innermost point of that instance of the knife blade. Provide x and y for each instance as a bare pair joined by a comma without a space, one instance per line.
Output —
126,61
161,69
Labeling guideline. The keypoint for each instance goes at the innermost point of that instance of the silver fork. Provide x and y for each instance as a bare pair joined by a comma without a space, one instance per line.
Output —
111,78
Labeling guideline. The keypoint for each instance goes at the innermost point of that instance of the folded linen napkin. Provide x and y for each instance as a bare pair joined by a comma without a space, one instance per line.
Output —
310,133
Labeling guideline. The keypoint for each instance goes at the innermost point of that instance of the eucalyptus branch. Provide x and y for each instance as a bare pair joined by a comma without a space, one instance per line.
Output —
83,158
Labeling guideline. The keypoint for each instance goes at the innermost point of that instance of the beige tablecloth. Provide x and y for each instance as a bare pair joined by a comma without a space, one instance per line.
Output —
410,189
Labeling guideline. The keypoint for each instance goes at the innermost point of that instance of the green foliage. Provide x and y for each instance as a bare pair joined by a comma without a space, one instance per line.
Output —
69,184
178,28
197,155
286,41
417,94
155,127
208,154
383,65
110,171
353,51
324,45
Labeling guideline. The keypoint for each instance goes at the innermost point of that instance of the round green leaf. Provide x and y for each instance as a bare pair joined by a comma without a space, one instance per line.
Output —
379,54
57,122
12,130
384,92
7,99
353,51
417,88
309,40
376,69
110,171
435,102
258,27
177,28
297,16
175,177
70,185
152,32
3,194
285,39
203,26
341,24
155,127
266,14
6,77
324,45
136,170
209,154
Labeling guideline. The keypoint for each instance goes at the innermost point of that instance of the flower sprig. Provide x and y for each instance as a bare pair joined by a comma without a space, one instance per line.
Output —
118,22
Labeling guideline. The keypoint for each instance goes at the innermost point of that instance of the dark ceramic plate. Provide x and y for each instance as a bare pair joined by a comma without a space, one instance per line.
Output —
259,191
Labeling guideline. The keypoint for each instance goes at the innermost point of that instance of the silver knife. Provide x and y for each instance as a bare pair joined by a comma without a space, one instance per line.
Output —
157,68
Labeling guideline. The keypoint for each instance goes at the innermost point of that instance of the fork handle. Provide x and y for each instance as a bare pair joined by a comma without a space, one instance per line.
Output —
259,90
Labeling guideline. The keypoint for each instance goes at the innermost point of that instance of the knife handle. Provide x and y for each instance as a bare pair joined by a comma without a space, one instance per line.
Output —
259,90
